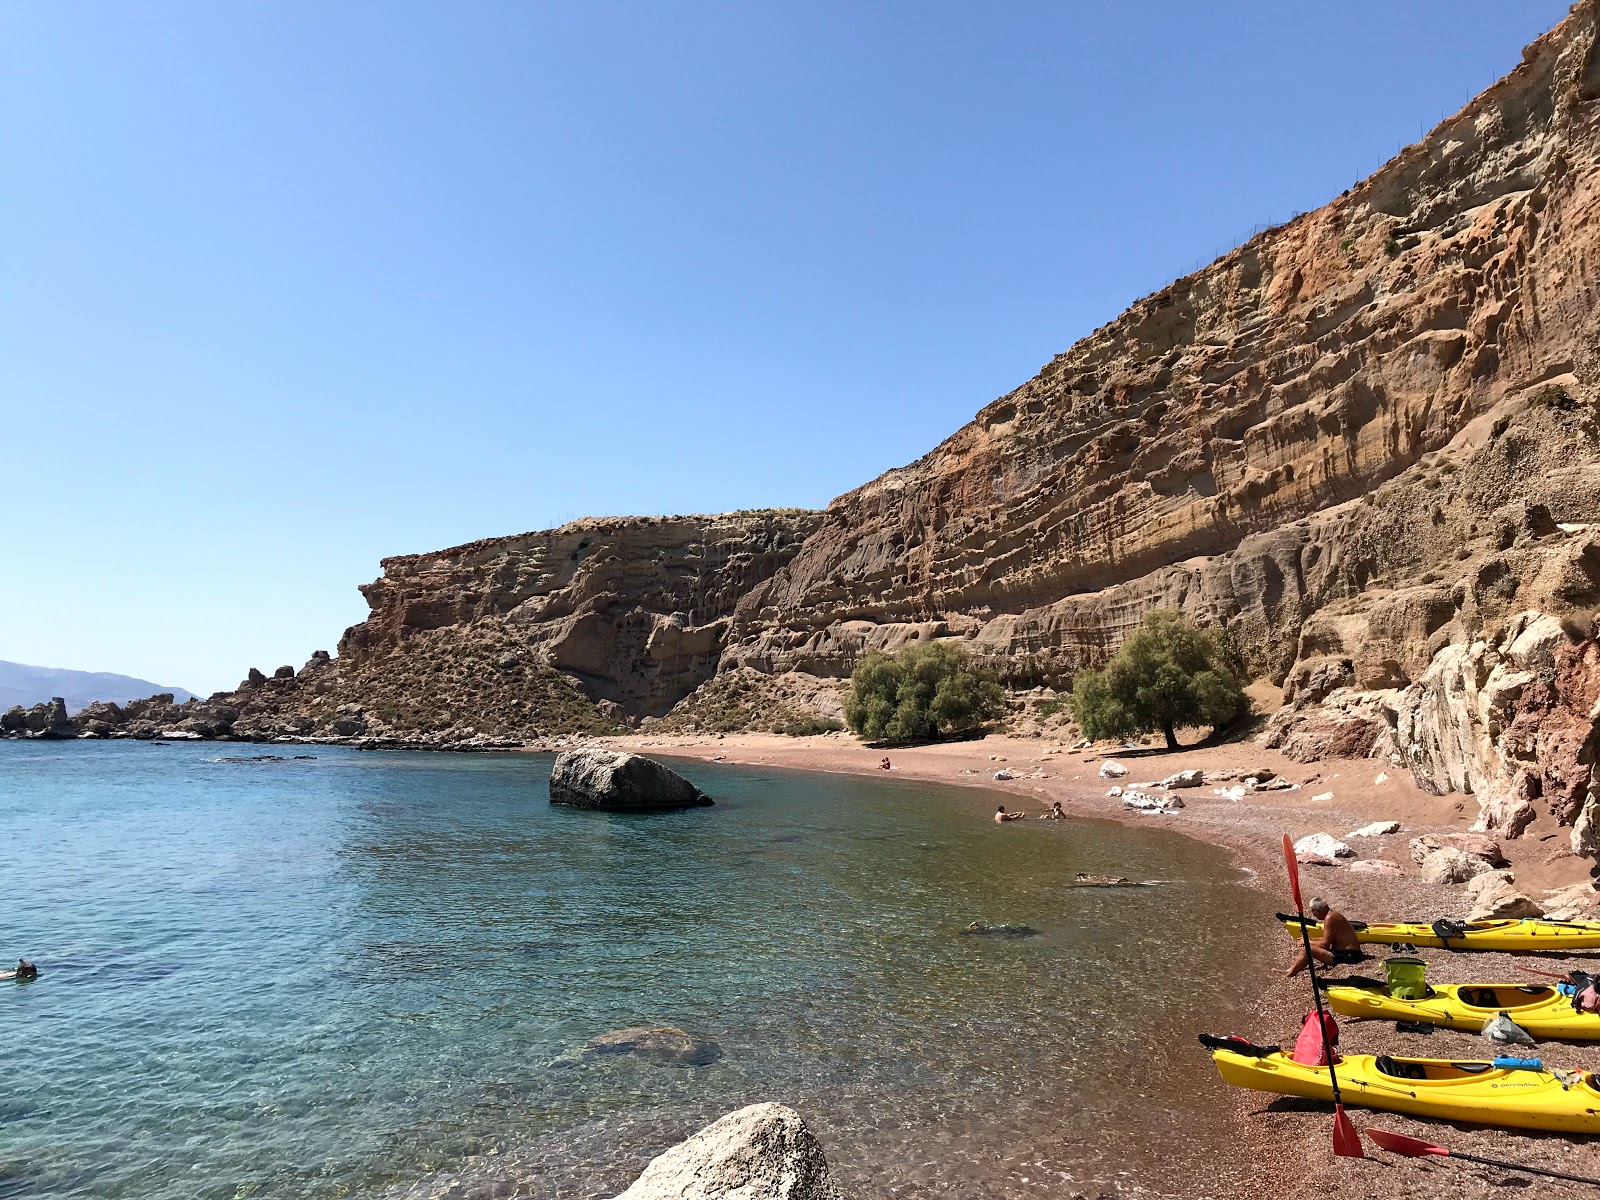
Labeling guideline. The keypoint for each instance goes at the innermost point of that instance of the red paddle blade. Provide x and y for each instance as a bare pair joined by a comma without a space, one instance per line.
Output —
1346,1141
1294,873
1401,1144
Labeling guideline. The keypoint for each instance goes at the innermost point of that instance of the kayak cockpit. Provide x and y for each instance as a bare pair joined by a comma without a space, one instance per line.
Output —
1499,999
1429,1070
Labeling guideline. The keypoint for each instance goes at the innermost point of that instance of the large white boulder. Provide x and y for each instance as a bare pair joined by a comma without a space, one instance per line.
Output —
763,1152
1184,779
1112,770
1376,829
1501,901
1450,865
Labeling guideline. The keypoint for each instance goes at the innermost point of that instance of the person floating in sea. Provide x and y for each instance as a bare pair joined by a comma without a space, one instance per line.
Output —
1055,813
1338,946
25,970
1001,816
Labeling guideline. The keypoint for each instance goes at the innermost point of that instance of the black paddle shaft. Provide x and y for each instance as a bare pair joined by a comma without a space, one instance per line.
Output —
1316,995
1509,1166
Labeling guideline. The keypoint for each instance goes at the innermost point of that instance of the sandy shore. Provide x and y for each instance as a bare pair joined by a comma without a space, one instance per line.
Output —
1273,1143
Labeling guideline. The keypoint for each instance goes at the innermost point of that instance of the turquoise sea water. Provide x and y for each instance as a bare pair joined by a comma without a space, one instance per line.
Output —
364,975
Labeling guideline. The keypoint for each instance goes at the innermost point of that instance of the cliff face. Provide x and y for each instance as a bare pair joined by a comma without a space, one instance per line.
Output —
1365,443
1202,450
568,630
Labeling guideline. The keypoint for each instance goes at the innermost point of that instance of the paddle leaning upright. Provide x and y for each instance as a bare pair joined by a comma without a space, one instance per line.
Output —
1346,1141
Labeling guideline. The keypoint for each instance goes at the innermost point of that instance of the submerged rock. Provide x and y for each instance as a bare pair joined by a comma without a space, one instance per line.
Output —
979,929
624,782
664,1045
764,1152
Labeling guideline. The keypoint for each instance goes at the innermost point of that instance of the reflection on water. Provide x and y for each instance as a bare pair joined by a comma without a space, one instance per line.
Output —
369,974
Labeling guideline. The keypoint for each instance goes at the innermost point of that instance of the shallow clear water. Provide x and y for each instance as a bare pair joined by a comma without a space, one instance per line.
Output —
366,975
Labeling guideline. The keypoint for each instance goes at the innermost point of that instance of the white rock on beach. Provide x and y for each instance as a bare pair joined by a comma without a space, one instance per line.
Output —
1145,802
1571,903
1183,779
763,1152
1450,865
1375,866
1112,770
1473,844
1488,879
1323,844
1116,791
1376,829
1323,796
1003,774
1501,901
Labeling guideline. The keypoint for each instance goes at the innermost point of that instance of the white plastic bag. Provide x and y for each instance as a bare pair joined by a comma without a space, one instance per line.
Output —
1501,1028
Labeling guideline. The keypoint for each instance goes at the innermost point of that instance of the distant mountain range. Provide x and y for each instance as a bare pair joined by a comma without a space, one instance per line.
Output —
27,686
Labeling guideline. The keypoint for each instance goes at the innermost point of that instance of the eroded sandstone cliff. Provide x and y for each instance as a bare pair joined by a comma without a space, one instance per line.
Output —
1197,451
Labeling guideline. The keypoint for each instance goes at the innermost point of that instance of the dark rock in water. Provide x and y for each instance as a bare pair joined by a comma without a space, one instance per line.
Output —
662,1044
979,929
623,782
764,1152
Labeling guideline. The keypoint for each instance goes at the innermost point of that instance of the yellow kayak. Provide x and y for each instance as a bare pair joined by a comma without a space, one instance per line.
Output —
1542,1011
1530,933
1476,1092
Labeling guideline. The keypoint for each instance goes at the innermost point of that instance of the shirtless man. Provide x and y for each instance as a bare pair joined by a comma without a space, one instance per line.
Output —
1338,945
25,970
1001,816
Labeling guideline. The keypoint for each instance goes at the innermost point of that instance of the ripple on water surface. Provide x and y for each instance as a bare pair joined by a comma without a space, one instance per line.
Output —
372,974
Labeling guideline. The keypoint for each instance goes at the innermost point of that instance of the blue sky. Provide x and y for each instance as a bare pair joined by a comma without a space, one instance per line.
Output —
288,287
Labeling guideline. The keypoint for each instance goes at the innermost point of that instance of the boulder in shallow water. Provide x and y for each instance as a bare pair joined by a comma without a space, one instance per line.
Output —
764,1152
621,782
665,1045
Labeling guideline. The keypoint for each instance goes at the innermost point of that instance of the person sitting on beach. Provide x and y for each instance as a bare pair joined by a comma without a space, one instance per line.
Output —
25,970
885,764
1055,813
1001,816
1338,945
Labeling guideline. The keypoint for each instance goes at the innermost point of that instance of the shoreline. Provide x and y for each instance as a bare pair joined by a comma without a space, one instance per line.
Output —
1281,1144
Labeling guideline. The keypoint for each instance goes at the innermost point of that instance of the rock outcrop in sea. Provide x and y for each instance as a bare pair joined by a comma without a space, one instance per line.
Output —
1366,443
618,782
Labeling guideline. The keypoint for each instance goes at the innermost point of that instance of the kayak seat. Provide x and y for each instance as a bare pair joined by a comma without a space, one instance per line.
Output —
1400,1070
1480,997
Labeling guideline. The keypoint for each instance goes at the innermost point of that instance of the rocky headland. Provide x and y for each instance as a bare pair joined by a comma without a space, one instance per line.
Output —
1366,443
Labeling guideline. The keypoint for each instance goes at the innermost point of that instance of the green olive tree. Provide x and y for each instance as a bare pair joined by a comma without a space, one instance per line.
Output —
924,691
1169,672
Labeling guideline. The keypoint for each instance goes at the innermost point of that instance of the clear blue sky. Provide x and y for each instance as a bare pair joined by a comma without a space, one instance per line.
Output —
288,287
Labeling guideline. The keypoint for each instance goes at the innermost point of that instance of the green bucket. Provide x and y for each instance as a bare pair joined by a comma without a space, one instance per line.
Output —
1407,978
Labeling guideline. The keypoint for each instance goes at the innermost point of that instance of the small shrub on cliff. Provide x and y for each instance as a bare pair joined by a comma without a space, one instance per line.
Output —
1168,673
922,692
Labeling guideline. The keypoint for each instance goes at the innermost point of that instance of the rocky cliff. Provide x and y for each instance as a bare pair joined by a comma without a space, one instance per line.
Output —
1223,447
1365,443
